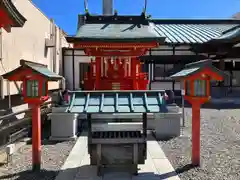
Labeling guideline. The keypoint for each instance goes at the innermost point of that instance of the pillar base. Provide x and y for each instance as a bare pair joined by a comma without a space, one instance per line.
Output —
36,167
195,162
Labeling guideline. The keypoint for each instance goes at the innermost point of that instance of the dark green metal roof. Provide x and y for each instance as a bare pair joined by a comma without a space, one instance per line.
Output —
191,33
14,14
134,28
185,72
115,28
35,67
117,102
116,33
231,36
195,67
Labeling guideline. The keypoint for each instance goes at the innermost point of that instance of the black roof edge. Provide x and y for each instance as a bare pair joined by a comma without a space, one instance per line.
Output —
14,13
71,39
195,21
115,18
23,62
231,29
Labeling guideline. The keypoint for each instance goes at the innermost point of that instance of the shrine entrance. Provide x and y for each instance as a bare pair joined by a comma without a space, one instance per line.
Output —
116,68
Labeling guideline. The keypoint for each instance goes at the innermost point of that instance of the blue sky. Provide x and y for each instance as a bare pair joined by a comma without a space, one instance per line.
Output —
65,12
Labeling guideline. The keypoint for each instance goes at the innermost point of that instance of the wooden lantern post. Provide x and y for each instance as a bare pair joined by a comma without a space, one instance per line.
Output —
196,78
35,79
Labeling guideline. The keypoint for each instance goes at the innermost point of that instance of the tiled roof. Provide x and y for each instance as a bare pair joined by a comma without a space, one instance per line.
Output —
117,102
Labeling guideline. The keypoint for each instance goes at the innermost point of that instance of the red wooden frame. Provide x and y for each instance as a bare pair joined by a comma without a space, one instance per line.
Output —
115,45
34,102
5,20
94,79
196,101
102,52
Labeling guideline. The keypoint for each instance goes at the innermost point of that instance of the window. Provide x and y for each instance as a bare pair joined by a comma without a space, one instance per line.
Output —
200,87
161,71
32,88
44,90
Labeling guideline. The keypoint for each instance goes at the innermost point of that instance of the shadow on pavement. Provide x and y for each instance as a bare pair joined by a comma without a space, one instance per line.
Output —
88,171
30,175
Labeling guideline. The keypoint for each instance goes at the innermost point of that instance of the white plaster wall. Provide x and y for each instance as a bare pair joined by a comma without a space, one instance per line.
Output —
68,66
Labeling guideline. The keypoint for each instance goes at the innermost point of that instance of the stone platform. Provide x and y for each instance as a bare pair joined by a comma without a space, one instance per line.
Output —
77,166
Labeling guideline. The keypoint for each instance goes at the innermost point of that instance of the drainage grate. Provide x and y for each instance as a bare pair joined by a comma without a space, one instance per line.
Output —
116,134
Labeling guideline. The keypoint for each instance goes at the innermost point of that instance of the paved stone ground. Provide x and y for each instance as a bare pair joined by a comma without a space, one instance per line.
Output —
220,146
77,166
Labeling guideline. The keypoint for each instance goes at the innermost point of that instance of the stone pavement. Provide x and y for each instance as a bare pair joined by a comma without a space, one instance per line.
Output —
77,166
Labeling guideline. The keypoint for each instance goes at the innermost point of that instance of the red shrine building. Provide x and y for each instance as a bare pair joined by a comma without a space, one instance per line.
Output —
115,44
122,52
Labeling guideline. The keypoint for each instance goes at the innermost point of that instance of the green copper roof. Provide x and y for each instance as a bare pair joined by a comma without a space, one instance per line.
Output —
185,72
117,33
191,33
35,67
231,36
14,14
195,67
117,102
171,31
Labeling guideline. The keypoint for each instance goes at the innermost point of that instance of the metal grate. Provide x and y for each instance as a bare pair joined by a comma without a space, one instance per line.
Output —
116,134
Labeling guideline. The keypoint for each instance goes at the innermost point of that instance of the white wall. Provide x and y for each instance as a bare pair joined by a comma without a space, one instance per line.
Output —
68,66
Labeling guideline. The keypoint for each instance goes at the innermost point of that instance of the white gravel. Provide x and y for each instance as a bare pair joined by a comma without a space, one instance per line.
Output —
53,157
220,147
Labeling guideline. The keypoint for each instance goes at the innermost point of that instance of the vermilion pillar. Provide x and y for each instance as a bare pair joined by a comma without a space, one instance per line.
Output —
133,71
98,73
196,134
36,137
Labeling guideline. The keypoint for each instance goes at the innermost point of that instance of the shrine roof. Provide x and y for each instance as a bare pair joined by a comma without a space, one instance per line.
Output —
184,32
117,102
14,14
170,31
116,29
35,67
195,67
230,36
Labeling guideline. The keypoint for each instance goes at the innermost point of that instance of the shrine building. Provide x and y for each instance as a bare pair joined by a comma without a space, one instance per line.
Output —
138,52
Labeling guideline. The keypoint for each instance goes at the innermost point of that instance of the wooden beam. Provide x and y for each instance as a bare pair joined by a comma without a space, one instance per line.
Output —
135,53
115,45
172,59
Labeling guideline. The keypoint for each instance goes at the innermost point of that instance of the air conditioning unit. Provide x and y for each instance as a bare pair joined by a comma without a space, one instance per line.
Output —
49,43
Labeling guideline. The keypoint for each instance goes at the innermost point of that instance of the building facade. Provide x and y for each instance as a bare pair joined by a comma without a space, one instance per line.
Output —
39,40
